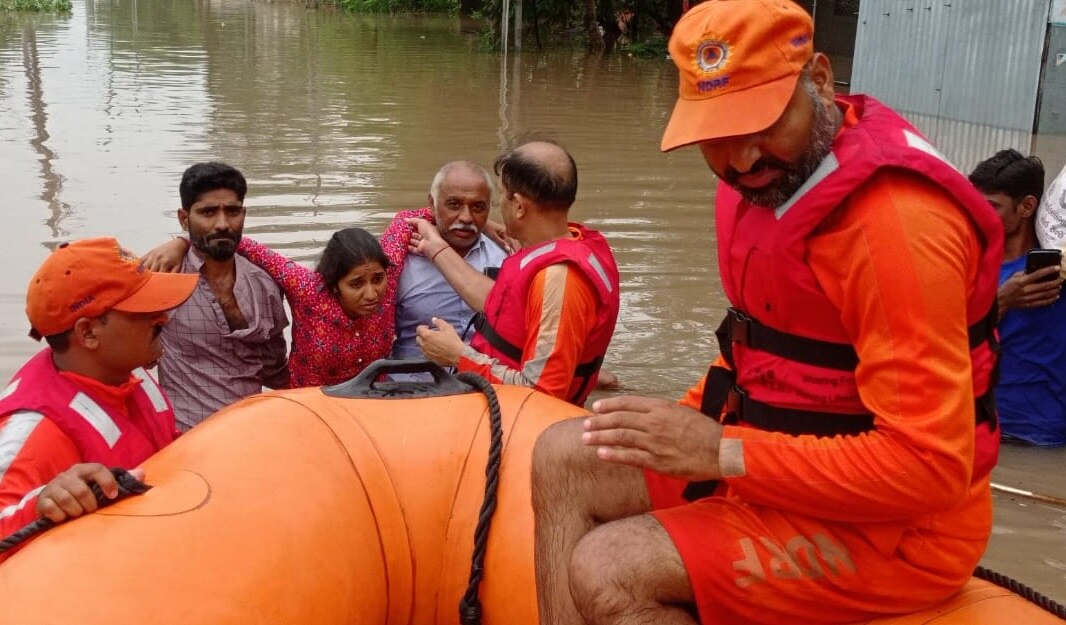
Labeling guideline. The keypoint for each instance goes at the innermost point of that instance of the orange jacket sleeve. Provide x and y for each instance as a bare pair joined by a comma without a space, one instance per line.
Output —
694,396
33,450
560,315
898,261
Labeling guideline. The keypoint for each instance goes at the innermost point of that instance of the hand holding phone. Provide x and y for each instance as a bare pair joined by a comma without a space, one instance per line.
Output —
1039,259
1025,290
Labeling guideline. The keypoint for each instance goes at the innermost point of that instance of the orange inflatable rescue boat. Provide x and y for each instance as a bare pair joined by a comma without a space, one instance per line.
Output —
346,505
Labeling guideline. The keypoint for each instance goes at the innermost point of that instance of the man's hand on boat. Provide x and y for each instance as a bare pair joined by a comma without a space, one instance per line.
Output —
166,257
69,494
656,434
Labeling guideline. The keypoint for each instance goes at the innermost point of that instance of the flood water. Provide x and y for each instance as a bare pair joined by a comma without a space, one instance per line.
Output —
342,120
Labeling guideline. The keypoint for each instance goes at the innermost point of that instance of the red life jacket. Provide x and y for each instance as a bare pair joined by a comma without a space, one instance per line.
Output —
501,329
787,342
110,439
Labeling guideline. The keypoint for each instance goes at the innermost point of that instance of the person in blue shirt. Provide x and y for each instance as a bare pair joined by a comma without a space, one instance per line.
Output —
1031,393
460,198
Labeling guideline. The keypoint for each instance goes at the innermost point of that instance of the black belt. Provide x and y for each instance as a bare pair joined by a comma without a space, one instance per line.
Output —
720,389
738,327
748,332
744,409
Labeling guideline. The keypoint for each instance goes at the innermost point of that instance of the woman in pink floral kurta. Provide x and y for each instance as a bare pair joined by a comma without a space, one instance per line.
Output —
328,346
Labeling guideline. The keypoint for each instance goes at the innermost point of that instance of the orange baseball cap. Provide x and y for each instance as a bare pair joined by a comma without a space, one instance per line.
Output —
90,277
738,63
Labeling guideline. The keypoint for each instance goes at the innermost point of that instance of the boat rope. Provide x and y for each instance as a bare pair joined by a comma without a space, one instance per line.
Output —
127,486
1022,590
470,604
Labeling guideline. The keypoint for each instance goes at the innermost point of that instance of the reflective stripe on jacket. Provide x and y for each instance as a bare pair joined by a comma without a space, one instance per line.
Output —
100,436
502,330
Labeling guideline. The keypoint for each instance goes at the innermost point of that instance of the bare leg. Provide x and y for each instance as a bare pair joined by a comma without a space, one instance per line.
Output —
629,573
573,492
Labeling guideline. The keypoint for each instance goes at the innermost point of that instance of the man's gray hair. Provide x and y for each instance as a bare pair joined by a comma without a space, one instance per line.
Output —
438,180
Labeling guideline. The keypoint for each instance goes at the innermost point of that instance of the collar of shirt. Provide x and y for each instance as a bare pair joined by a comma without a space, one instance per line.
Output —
114,395
194,262
848,114
194,259
478,245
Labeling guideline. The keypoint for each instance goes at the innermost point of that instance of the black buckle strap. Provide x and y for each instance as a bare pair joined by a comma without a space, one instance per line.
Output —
482,326
798,422
720,390
984,409
793,421
725,344
984,330
751,333
584,370
740,328
716,391
587,369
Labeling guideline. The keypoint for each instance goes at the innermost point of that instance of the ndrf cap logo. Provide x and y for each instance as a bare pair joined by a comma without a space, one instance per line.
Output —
711,55
738,64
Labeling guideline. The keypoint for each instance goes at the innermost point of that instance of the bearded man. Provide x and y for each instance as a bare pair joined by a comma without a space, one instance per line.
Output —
226,341
833,464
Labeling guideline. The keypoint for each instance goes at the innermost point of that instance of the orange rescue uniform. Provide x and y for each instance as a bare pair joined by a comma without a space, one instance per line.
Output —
561,314
33,450
829,530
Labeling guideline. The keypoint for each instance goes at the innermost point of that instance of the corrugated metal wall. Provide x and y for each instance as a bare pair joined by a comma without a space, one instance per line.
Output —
965,72
1053,96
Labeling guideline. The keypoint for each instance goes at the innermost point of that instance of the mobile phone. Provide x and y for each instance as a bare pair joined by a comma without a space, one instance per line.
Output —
1038,259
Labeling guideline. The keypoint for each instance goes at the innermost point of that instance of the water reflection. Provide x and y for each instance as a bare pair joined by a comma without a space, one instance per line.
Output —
53,183
341,120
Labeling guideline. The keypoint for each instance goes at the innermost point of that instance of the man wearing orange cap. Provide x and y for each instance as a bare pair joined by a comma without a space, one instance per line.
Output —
85,403
844,470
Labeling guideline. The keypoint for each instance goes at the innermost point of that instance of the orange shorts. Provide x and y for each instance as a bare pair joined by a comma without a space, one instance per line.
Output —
750,564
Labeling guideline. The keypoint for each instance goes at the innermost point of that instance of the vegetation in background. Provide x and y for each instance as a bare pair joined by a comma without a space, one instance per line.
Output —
396,6
640,27
652,48
41,6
